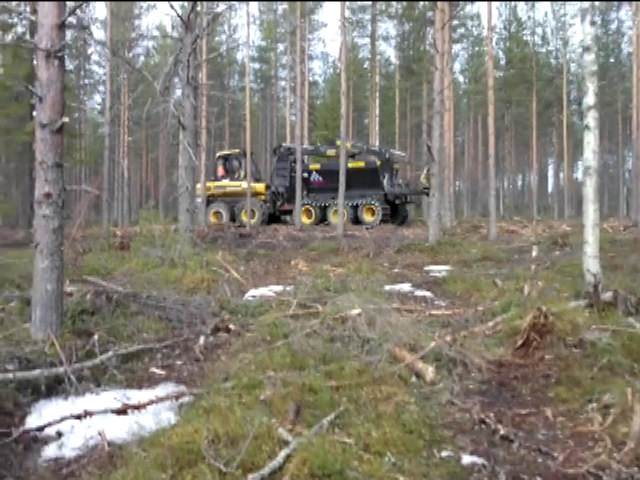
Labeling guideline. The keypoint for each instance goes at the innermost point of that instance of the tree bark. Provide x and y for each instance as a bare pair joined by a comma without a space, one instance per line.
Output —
534,126
202,147
567,176
106,165
305,113
342,175
247,110
373,77
448,197
298,200
622,211
187,160
591,153
493,230
634,207
48,227
436,183
125,207
287,92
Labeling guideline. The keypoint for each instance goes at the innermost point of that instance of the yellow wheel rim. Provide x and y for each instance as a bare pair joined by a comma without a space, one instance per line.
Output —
308,215
369,213
334,214
244,216
216,217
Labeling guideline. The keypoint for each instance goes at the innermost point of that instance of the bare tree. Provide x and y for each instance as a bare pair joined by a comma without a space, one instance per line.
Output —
634,208
342,175
298,205
491,127
534,121
48,227
202,221
565,116
590,155
374,87
106,166
188,125
437,137
247,106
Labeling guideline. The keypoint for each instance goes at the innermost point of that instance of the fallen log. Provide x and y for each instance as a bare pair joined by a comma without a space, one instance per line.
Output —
40,373
424,371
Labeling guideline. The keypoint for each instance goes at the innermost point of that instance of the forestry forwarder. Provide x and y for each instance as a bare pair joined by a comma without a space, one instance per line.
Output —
374,192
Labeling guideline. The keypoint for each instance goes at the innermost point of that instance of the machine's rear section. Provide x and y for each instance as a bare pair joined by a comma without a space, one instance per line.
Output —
374,192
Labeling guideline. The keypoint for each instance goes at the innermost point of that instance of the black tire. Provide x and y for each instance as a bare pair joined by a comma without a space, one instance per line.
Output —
370,213
256,212
218,213
333,215
310,214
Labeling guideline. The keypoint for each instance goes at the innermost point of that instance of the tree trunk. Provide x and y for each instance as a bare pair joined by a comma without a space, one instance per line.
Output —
124,159
448,197
534,128
247,110
567,176
425,140
287,101
556,166
187,160
373,77
48,226
397,83
305,113
634,208
436,130
202,221
163,154
493,230
299,99
591,154
622,211
480,165
106,165
466,182
342,175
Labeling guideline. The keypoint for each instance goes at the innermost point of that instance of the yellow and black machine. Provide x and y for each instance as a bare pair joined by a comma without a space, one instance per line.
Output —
374,192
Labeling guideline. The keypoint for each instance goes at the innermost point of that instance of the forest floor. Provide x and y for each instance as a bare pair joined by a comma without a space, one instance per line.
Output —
502,371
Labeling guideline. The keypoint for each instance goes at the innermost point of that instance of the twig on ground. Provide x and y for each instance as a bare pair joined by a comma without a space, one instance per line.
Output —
277,463
103,284
629,450
41,373
63,358
232,271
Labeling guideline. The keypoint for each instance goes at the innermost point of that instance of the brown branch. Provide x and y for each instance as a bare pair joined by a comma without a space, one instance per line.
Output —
629,450
41,373
72,11
232,271
280,459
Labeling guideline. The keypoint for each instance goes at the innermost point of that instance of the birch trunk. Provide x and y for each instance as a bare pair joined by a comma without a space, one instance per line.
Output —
591,154
298,200
48,227
247,109
373,77
436,130
202,221
106,162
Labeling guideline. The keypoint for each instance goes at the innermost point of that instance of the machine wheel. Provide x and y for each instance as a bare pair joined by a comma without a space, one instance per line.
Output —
333,216
256,212
370,213
218,213
310,214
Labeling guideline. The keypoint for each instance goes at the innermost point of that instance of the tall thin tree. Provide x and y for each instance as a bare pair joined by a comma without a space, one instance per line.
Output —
298,202
437,137
590,155
247,109
342,175
48,227
203,117
491,127
106,166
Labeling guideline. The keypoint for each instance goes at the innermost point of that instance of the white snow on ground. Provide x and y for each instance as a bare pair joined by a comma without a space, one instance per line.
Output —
408,288
76,437
269,291
438,270
465,459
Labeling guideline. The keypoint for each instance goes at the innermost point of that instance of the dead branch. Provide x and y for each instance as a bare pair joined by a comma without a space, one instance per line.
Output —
629,450
63,359
123,409
103,284
232,271
424,371
432,312
280,459
41,373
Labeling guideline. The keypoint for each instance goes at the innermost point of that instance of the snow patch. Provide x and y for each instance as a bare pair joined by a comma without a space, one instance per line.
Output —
76,437
268,291
438,270
466,459
408,288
